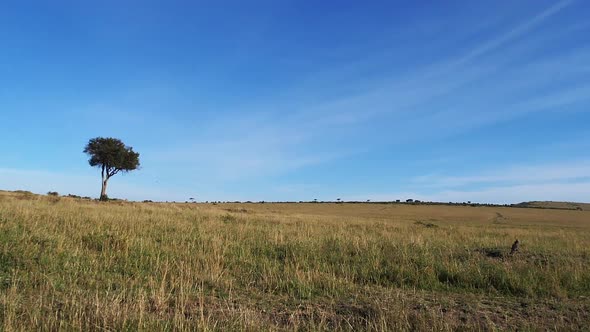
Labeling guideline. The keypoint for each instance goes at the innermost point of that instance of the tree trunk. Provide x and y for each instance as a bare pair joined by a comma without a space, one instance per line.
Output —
103,191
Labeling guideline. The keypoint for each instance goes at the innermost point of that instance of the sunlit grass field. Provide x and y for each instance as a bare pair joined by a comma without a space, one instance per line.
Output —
69,264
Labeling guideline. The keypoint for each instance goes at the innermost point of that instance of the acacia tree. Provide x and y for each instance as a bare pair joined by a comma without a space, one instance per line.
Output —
111,156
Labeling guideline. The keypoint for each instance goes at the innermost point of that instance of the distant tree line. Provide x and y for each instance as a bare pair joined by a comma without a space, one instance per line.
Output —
409,201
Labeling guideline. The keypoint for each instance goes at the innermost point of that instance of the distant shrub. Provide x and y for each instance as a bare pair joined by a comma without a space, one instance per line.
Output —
23,192
148,201
24,195
52,193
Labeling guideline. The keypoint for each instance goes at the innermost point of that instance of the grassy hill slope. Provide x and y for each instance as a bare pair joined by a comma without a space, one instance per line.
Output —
556,205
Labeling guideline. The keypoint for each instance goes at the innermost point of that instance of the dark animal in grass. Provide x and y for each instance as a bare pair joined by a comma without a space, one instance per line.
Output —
515,246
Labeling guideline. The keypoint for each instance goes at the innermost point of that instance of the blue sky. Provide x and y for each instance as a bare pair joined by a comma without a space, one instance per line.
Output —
484,101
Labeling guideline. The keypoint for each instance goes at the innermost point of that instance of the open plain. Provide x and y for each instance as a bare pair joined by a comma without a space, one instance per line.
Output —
69,263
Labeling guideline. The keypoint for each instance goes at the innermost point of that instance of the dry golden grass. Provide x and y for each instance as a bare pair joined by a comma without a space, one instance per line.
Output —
83,265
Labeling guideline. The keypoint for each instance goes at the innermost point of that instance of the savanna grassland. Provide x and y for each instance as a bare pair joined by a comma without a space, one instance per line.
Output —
70,264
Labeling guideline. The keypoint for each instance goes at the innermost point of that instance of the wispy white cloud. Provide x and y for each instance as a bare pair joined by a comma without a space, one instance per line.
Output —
514,174
518,31
257,153
260,143
306,127
569,192
565,181
300,189
416,92
508,194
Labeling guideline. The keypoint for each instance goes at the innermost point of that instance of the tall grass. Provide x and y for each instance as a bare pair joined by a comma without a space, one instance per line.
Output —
76,264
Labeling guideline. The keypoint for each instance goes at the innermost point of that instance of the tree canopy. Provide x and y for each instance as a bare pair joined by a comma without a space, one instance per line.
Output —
112,156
